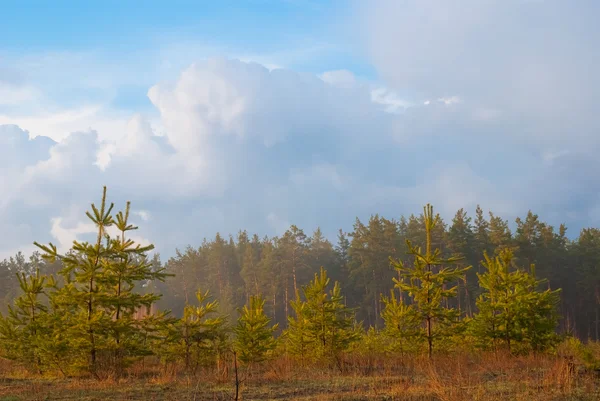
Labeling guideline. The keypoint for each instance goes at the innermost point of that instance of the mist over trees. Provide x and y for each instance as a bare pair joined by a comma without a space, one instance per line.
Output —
234,268
415,285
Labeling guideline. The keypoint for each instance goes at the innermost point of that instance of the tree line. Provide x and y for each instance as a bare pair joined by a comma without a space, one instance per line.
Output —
254,298
235,268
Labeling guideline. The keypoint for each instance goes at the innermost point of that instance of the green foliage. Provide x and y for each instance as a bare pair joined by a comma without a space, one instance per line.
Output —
300,340
197,338
369,270
22,331
323,327
254,341
587,355
402,325
427,283
512,311
86,317
96,306
371,346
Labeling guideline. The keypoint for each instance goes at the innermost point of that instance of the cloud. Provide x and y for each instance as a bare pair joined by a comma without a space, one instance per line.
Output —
392,102
11,95
237,141
235,145
341,78
449,100
517,79
529,61
59,124
143,214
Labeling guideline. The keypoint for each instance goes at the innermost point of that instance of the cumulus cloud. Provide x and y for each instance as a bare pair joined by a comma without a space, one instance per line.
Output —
517,78
531,61
239,142
237,145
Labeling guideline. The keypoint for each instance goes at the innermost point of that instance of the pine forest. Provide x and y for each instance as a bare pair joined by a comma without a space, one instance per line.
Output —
413,304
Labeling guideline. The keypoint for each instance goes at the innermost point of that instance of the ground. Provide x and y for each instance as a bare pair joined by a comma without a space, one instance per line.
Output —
349,388
446,378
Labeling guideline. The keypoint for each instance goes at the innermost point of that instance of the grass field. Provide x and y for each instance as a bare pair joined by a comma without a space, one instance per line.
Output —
453,377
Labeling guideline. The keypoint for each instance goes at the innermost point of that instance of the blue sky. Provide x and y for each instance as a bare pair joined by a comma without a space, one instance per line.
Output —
215,116
119,27
262,25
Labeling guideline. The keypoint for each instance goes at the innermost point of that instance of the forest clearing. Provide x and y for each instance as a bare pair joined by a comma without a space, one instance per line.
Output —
452,378
90,333
234,200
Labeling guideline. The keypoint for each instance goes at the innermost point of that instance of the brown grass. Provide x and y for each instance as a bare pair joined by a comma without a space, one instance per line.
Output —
455,377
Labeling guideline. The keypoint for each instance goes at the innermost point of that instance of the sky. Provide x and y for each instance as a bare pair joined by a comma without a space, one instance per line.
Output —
257,114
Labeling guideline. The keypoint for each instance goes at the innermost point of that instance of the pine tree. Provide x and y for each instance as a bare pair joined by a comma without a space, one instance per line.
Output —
460,240
99,290
540,316
83,265
292,250
323,325
499,233
341,250
371,345
195,337
511,309
426,282
587,274
254,341
300,340
322,253
22,331
370,251
482,232
402,324
250,272
59,347
270,277
127,267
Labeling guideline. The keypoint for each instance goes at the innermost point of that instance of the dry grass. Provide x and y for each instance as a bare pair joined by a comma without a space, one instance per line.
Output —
455,377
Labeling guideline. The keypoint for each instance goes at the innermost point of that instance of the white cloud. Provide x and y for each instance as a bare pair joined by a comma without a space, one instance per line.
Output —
392,102
143,214
235,145
449,100
59,124
511,60
11,94
341,78
66,236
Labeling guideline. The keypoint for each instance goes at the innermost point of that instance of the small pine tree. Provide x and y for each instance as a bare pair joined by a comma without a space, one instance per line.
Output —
511,309
299,338
402,324
325,325
81,268
371,346
196,336
22,331
128,266
426,282
99,290
254,341
59,347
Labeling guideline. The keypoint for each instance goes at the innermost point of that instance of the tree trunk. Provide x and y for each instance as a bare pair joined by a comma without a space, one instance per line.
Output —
286,302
